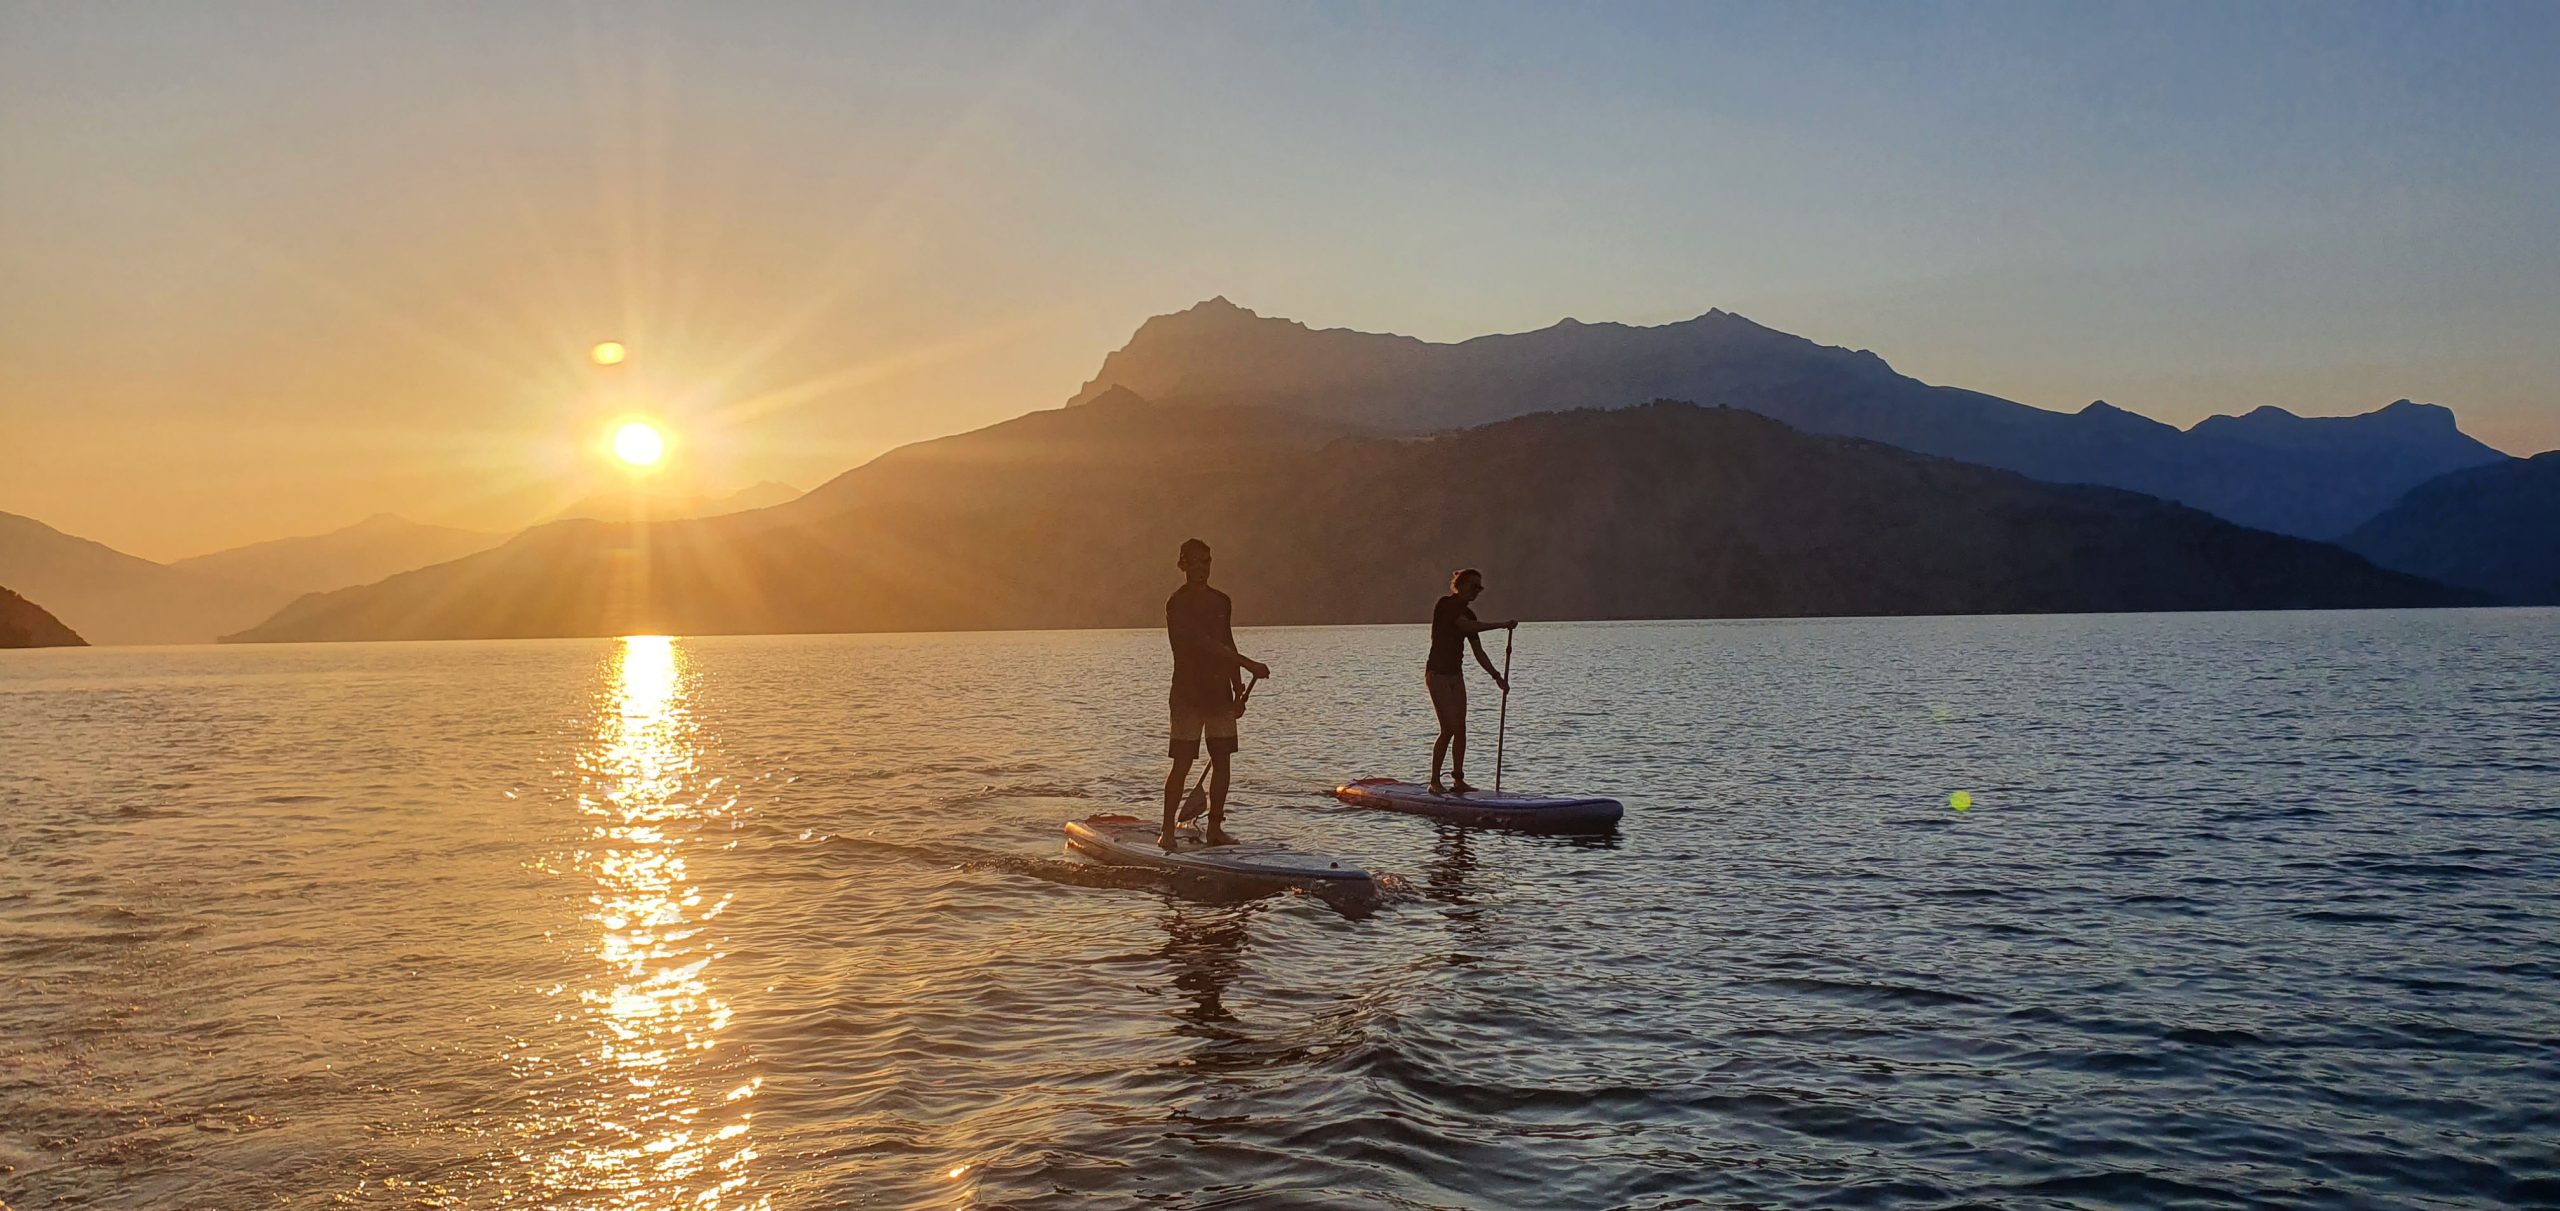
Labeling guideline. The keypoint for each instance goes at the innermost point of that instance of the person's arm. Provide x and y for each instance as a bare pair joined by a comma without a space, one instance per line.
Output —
1224,639
1487,661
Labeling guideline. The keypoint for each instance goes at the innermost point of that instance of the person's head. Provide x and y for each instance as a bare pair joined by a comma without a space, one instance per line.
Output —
1466,583
1195,561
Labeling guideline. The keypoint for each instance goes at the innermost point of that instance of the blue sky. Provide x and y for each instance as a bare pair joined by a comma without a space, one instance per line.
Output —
276,267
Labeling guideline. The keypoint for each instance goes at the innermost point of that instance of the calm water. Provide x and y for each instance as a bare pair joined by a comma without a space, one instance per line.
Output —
2248,908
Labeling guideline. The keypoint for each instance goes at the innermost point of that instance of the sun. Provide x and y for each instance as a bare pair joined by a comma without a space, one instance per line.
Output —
608,353
639,444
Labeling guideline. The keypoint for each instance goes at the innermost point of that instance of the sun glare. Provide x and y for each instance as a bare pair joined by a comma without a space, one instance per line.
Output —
608,353
639,444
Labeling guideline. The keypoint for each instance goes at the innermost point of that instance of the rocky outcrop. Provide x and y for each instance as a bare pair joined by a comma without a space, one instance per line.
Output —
24,624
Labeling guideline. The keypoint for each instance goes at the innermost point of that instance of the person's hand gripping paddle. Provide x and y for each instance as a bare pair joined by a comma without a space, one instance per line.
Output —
1198,800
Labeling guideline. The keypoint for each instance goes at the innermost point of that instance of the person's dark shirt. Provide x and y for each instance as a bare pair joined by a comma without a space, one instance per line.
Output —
1198,622
1447,637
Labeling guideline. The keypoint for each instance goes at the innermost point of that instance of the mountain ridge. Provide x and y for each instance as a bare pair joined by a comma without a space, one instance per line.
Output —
2495,529
2308,476
1069,518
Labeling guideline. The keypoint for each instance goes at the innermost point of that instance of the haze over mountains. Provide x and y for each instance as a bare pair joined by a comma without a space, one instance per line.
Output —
2312,477
110,597
115,598
1070,518
653,503
358,554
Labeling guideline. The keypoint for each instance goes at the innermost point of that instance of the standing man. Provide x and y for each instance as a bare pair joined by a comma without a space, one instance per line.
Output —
1454,620
1206,687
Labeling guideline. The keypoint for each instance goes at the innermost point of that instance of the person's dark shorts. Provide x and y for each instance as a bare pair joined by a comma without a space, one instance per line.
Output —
1191,722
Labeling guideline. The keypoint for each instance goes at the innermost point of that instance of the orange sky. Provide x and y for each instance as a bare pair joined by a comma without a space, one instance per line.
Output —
272,268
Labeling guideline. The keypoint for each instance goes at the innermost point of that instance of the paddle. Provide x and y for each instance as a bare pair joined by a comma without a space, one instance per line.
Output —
1503,729
1198,800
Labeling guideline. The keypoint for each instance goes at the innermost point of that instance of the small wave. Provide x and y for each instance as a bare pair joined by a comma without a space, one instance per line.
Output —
1863,990
2207,1036
1025,790
2432,870
1078,872
2134,851
2154,898
2122,1187
1981,893
2335,916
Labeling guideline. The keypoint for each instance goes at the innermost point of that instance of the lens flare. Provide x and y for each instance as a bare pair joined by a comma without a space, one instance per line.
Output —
608,353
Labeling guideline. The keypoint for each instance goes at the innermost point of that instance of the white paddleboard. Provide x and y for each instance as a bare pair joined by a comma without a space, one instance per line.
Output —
1130,841
1552,813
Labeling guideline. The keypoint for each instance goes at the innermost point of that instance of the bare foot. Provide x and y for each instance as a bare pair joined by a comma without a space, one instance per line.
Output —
1460,787
1218,836
1438,789
1166,842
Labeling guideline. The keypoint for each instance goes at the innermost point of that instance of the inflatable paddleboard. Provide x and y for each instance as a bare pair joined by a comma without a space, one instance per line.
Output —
1130,841
1485,809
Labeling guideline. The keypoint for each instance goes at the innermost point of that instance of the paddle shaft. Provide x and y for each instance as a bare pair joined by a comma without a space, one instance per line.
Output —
1502,729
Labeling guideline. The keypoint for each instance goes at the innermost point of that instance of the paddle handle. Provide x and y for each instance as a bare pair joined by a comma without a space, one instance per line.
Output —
1502,730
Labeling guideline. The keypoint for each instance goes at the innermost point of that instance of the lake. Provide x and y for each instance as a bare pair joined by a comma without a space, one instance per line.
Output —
2246,908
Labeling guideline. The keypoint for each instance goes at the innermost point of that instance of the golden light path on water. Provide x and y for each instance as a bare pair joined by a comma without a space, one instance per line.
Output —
655,1115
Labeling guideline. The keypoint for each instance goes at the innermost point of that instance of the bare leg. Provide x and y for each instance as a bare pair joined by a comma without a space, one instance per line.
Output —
1458,762
1173,798
1218,797
1439,752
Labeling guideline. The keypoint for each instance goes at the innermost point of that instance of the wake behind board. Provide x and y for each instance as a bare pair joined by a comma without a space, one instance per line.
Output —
1485,809
1129,841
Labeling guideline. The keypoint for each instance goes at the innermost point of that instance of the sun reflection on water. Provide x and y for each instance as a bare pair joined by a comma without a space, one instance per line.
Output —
656,1116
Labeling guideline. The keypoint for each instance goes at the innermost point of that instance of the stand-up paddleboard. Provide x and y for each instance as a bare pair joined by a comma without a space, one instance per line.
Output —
1486,809
1130,841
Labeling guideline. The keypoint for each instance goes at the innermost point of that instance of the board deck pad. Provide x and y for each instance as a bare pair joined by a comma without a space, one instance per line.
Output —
1588,813
1129,841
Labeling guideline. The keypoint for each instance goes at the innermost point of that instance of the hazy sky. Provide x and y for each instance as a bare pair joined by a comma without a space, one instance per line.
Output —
266,269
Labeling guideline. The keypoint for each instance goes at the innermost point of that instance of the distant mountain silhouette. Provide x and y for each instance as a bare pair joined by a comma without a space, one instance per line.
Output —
1071,518
646,503
111,597
2314,478
24,624
2495,528
358,554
